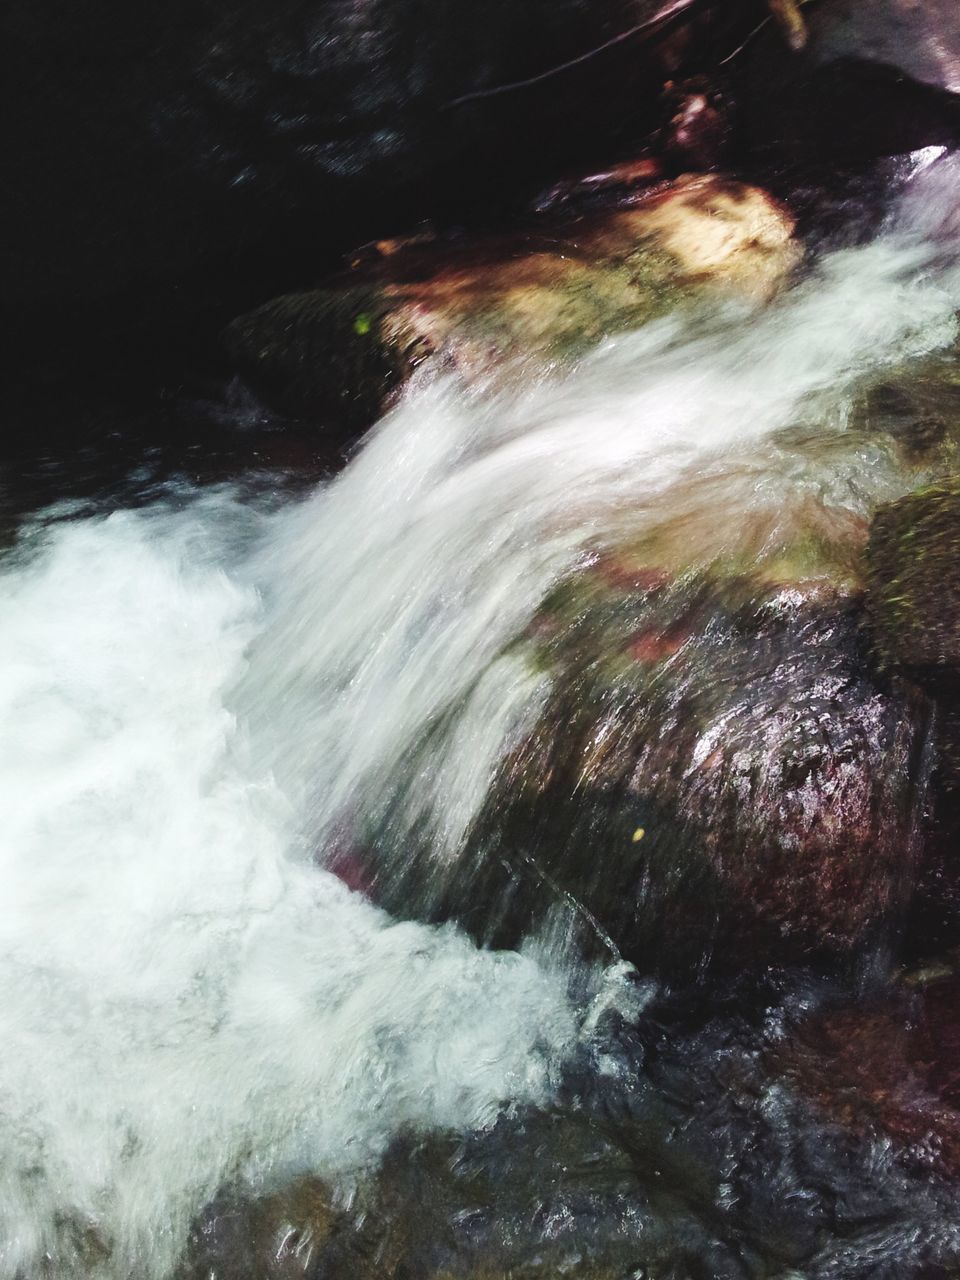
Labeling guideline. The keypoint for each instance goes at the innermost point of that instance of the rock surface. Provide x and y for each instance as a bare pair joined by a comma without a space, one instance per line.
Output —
918,38
702,787
482,303
888,1069
875,78
738,1135
914,583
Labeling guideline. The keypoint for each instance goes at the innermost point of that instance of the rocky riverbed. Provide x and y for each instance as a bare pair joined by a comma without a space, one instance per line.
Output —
478,624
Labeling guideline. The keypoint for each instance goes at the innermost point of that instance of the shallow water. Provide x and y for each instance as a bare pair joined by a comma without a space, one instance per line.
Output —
210,699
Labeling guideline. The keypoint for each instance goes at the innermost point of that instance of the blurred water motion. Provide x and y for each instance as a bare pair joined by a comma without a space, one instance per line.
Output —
229,723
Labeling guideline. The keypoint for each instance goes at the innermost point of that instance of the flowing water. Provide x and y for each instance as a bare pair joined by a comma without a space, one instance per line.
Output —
205,696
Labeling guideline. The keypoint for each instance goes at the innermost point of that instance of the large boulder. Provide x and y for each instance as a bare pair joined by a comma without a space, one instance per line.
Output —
713,780
482,302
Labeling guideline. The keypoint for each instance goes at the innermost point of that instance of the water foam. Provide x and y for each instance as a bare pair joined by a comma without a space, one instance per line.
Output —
182,1004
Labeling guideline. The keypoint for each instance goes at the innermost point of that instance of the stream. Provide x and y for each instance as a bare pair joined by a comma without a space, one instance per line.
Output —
235,715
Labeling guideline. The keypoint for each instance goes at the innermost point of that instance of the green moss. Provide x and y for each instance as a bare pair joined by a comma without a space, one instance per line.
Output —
304,351
913,580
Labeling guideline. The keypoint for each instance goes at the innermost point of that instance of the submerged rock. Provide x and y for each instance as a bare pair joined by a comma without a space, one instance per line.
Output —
278,1236
482,303
888,1069
707,1138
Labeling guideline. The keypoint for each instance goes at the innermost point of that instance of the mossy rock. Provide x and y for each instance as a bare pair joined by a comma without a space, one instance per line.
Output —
485,302
323,349
913,584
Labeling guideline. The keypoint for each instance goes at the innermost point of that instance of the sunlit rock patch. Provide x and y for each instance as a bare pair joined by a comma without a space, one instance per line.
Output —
547,295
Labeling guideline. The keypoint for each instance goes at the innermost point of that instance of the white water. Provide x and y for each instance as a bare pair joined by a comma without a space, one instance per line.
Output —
196,703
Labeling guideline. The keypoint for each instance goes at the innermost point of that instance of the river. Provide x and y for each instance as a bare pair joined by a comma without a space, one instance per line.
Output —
207,693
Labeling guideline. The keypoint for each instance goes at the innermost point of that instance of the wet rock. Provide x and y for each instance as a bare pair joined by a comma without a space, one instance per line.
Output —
618,182
324,350
703,787
730,1133
748,765
919,40
537,1195
279,1236
874,78
481,303
913,607
913,583
888,1069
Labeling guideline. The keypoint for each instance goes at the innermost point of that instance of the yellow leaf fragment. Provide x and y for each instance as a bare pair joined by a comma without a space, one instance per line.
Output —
789,18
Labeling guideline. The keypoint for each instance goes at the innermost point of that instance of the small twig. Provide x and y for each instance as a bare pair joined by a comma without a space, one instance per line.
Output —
576,906
740,47
651,24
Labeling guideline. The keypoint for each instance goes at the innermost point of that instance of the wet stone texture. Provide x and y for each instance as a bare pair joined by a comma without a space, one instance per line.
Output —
913,603
889,1070
920,40
914,583
875,78
725,785
733,1133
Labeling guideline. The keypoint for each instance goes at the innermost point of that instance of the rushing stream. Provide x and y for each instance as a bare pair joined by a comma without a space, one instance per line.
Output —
205,697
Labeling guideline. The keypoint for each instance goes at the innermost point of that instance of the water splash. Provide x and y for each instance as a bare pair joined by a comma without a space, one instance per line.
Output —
182,1005
399,595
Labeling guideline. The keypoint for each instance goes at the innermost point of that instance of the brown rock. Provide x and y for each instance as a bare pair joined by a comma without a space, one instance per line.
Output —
480,303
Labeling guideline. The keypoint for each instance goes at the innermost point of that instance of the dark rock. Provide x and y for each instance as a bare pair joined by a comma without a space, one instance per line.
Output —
919,40
716,791
913,607
165,159
913,582
888,1069
324,350
713,1142
875,78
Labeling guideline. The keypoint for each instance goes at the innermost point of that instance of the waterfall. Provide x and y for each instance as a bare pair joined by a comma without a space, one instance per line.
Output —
202,698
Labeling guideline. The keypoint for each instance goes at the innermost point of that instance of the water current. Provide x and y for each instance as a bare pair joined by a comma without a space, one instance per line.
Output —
203,695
